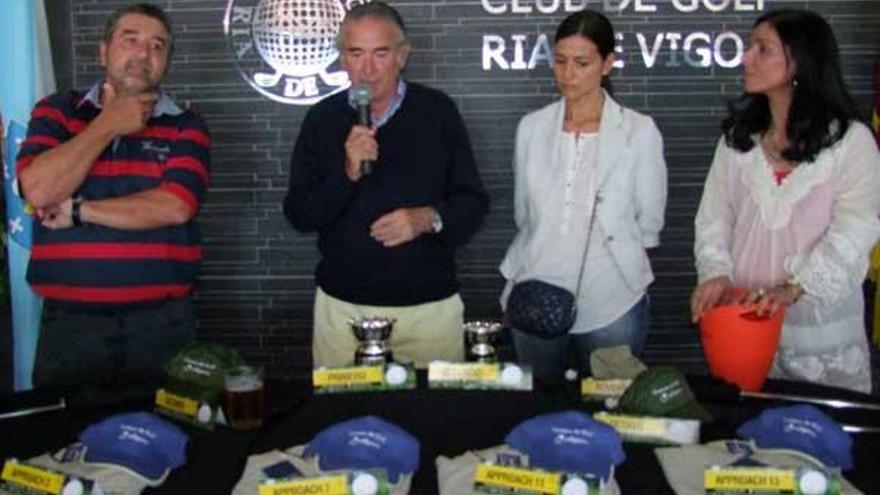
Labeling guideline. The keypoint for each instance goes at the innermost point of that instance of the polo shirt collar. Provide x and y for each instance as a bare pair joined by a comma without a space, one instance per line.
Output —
379,121
164,105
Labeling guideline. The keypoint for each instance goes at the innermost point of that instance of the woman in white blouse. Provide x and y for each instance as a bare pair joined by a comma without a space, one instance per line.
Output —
581,156
789,210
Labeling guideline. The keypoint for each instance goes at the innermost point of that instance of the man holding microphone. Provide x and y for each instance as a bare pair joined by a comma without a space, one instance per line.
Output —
391,201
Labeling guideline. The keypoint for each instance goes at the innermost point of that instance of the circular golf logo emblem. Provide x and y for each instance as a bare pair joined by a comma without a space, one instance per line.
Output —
286,49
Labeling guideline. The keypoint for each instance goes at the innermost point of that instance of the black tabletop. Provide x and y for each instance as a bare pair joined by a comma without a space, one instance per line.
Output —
447,422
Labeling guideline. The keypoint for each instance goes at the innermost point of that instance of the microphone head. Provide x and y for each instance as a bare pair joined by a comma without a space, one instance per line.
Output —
362,95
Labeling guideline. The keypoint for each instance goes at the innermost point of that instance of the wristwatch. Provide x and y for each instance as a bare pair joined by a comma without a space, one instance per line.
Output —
75,216
436,223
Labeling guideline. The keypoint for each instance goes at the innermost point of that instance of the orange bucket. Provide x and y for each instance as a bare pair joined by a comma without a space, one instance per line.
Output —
739,345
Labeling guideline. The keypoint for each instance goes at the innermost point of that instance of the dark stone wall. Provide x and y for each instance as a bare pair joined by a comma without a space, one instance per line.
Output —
257,285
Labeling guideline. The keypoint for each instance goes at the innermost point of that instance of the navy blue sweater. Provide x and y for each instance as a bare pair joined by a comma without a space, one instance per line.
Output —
425,159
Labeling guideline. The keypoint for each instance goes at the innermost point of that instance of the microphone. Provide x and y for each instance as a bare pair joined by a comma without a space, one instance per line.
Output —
362,98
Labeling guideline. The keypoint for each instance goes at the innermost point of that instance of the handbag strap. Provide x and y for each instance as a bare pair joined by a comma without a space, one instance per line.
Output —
577,289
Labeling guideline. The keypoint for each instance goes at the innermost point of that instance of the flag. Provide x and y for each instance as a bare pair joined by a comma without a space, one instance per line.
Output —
875,117
26,62
874,272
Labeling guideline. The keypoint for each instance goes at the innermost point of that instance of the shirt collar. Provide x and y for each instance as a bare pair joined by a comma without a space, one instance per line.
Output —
164,105
397,100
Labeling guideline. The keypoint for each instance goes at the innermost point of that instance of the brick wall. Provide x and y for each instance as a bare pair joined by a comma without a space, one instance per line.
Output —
257,286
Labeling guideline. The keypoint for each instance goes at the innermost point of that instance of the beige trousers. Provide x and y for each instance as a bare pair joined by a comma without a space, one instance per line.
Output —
422,332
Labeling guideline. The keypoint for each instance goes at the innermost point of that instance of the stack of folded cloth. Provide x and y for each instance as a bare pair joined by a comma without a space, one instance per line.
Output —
662,396
122,455
198,372
363,443
565,442
612,371
615,363
662,391
797,437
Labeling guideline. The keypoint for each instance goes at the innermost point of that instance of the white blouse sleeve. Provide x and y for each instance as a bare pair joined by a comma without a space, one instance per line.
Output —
838,263
520,179
714,222
650,184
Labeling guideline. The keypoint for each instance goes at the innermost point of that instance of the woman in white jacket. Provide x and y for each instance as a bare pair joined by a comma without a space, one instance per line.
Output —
789,210
581,156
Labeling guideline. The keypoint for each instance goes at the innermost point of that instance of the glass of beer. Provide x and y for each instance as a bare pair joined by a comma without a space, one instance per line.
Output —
244,397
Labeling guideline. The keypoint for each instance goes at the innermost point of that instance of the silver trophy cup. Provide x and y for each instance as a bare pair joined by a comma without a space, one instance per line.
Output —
372,334
481,338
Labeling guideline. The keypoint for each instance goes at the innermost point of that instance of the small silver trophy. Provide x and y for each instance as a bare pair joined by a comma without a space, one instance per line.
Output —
481,337
372,334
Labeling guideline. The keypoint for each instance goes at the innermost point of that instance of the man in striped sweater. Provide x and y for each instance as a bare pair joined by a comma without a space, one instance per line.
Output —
116,174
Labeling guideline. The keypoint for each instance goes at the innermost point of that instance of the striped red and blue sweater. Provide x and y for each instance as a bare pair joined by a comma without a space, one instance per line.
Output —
95,265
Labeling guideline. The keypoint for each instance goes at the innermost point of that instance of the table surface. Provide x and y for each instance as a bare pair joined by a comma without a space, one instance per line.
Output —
447,422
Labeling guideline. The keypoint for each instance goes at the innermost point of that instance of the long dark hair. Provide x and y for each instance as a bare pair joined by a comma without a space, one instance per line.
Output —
593,26
821,107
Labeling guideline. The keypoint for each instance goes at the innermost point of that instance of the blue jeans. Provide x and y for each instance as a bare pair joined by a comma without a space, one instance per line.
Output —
550,358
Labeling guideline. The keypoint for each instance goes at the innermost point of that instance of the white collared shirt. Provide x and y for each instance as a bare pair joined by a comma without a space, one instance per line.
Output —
397,100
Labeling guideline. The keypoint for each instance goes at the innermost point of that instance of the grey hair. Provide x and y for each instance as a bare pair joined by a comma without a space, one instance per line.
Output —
142,8
377,10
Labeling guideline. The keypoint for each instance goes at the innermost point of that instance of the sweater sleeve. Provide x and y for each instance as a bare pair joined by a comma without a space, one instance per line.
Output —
318,190
465,202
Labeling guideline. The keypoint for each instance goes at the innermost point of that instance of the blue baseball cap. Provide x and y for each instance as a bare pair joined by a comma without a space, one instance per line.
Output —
366,442
568,441
142,442
804,428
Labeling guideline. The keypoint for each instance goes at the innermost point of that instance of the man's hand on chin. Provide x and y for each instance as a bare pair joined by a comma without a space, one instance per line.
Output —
124,114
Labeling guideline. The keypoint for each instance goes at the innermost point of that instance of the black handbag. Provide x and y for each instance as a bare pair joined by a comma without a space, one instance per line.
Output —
543,309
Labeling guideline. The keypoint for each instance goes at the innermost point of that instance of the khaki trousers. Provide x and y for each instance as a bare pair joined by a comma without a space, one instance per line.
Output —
422,333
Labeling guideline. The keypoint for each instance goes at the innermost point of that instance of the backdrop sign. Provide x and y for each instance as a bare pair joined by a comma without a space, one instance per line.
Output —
286,49
697,49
